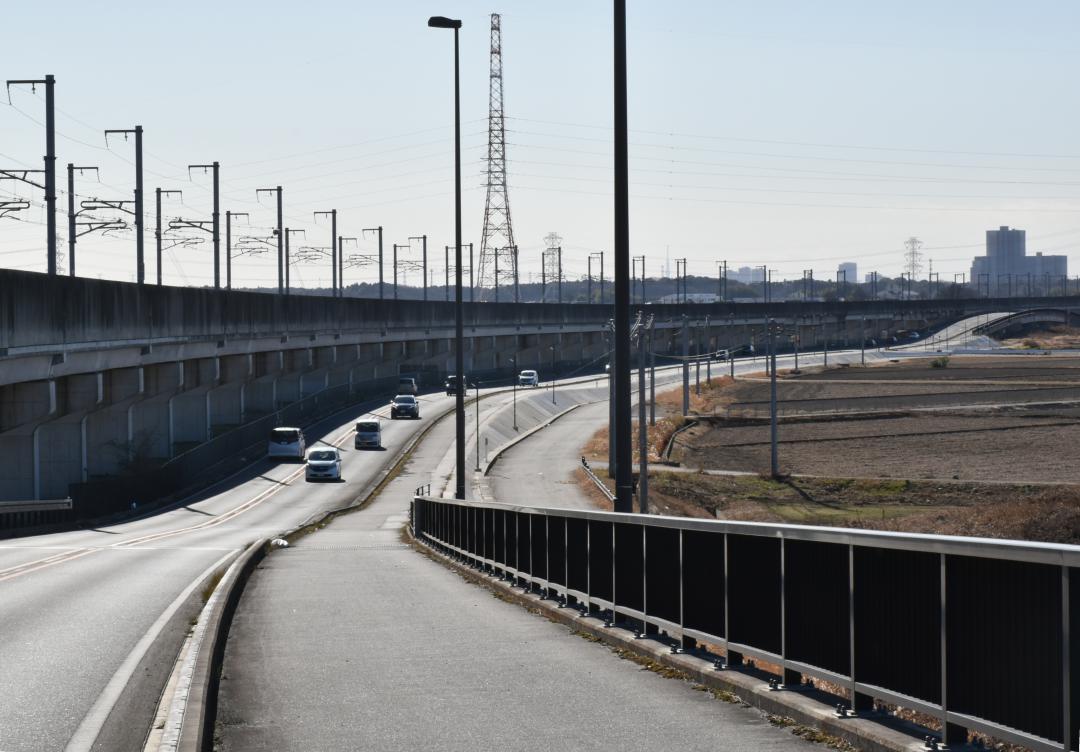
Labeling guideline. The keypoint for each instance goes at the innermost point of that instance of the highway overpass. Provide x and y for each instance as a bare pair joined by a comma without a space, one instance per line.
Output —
100,379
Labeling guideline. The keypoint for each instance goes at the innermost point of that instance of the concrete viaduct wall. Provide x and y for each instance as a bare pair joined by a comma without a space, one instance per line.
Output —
97,376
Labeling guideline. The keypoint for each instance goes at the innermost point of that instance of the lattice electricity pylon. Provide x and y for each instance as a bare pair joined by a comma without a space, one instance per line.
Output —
10,207
552,275
498,256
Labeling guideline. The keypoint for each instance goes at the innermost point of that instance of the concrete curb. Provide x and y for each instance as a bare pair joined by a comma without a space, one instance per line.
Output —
868,732
517,439
200,715
197,727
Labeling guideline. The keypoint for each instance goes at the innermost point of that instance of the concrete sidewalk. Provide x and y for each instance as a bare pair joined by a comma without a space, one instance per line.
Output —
350,640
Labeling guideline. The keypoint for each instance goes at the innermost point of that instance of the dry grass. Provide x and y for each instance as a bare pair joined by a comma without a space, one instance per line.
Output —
1056,337
1023,512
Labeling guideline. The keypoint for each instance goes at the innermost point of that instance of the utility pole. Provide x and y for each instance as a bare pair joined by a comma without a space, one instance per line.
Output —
216,218
378,230
280,232
140,267
446,263
643,429
396,246
774,462
50,163
333,249
288,234
158,193
228,245
685,365
72,229
652,372
423,240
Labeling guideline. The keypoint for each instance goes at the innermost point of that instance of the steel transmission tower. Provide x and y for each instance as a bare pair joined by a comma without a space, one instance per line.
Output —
552,267
912,258
498,254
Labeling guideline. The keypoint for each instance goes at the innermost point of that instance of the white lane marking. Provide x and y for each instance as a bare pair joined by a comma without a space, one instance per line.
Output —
86,734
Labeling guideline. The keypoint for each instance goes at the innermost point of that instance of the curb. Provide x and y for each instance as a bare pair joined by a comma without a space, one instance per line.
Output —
868,732
196,731
517,439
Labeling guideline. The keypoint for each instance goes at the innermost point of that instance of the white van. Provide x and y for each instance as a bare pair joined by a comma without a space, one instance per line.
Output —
287,443
368,434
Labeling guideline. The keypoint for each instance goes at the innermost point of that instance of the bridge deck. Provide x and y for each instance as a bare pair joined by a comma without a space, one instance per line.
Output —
351,640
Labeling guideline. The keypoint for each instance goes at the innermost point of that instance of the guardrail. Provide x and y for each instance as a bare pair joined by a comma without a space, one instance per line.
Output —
976,633
18,514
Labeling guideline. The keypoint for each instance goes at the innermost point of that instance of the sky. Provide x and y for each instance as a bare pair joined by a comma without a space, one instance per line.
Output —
782,133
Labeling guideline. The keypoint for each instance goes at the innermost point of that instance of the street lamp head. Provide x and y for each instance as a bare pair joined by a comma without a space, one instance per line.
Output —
442,22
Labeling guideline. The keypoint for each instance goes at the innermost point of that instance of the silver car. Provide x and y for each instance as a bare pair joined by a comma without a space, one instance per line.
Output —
323,463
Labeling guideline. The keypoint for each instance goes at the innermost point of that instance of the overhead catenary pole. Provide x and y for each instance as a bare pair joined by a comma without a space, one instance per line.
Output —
50,162
140,266
228,245
423,241
685,365
73,230
382,284
216,217
280,232
774,463
332,213
158,193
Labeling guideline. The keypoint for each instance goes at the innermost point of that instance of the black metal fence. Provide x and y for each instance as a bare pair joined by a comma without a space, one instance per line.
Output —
974,632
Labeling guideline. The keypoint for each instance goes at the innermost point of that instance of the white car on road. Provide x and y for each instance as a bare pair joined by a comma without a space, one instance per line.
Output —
323,463
286,443
528,378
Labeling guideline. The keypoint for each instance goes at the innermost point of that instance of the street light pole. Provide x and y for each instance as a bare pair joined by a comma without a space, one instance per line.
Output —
459,331
624,479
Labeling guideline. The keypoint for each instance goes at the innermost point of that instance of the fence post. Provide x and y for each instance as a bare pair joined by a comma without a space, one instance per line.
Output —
1066,659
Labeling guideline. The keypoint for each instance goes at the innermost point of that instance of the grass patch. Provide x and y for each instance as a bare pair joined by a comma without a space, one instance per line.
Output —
211,585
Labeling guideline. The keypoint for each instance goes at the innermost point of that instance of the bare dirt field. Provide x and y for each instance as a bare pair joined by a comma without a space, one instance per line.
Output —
1006,419
984,446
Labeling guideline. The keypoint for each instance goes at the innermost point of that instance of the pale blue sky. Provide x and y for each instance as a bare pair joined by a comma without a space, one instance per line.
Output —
789,133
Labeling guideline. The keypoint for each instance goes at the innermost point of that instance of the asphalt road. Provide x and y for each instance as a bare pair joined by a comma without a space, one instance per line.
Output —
74,606
351,640
92,620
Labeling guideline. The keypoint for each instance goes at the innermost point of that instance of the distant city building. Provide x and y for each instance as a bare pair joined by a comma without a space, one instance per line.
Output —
868,277
848,272
1007,269
748,275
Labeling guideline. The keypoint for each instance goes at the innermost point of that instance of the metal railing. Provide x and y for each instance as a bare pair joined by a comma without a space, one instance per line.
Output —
20,514
974,632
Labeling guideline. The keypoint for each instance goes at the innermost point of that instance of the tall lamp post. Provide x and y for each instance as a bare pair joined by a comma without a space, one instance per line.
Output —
624,456
441,22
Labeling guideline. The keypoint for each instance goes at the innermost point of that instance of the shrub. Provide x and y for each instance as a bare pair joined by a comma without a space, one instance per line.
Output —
942,362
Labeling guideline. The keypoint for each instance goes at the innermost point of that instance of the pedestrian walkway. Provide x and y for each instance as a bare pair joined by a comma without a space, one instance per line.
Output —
351,640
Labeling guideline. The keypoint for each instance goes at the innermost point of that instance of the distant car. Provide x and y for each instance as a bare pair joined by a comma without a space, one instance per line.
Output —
323,463
286,443
407,385
404,404
451,382
368,434
528,378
